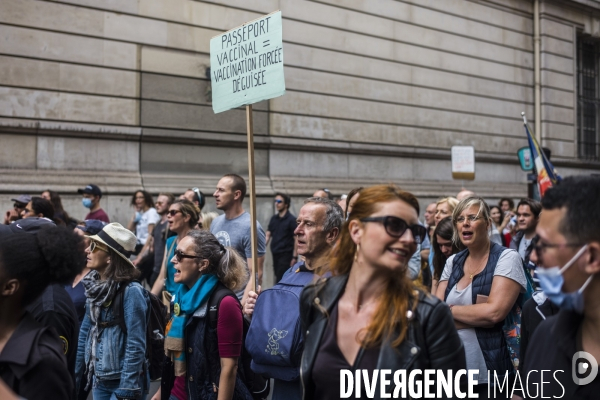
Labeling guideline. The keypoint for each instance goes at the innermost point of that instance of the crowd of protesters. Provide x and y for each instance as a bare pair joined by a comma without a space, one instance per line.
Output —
360,284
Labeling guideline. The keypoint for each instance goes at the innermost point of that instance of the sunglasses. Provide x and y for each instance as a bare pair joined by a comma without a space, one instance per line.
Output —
278,201
179,255
94,246
197,191
395,227
173,213
19,205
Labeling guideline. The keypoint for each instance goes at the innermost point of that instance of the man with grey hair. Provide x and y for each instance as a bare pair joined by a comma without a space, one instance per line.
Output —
319,224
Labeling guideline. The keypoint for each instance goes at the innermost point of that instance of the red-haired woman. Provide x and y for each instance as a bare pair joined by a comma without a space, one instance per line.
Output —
369,315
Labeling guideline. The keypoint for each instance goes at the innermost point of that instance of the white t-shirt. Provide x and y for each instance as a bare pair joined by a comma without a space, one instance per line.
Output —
510,266
150,217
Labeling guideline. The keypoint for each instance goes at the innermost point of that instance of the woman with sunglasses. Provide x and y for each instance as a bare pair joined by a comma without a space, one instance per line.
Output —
444,248
182,217
369,314
112,359
481,285
202,362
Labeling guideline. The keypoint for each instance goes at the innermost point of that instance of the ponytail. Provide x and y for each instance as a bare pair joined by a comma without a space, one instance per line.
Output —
224,262
232,270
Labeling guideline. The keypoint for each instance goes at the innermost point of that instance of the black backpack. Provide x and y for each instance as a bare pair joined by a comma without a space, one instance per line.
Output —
155,330
258,385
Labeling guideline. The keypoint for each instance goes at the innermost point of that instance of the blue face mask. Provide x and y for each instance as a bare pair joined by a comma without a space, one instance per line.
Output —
138,216
552,282
87,203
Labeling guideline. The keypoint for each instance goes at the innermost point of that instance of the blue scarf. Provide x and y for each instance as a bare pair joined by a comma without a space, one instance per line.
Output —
186,302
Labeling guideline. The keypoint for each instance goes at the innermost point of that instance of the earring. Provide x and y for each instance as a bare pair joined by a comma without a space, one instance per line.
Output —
356,253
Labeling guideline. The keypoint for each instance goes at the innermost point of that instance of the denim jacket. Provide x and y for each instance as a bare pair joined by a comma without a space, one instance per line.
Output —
118,355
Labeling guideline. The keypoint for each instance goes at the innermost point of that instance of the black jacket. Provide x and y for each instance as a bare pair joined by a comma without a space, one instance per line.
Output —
33,365
431,342
553,347
535,311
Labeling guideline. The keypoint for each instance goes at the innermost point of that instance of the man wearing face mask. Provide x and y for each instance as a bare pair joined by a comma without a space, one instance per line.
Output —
91,199
568,256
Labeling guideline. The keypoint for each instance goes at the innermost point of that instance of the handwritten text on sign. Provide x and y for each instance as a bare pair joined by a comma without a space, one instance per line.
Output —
463,162
246,64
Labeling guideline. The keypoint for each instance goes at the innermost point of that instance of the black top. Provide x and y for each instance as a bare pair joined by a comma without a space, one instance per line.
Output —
330,360
282,233
552,347
530,319
77,295
32,363
54,308
160,241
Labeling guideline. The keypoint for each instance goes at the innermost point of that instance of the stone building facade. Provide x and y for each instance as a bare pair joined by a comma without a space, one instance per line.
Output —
115,92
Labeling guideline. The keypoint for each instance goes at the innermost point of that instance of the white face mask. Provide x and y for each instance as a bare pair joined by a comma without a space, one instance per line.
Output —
552,282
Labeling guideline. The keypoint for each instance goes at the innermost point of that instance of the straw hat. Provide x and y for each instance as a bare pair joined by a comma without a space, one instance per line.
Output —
117,238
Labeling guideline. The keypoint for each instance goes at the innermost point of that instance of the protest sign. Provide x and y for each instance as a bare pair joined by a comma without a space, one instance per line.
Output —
463,162
246,63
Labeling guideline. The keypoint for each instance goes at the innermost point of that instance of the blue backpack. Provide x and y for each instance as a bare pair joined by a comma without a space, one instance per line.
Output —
275,340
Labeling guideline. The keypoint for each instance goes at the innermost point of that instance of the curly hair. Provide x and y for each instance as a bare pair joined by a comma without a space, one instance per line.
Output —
148,201
52,255
42,206
224,262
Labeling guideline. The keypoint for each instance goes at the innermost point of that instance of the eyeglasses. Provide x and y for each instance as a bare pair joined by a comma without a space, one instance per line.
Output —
396,227
173,213
471,218
179,255
540,247
94,246
278,201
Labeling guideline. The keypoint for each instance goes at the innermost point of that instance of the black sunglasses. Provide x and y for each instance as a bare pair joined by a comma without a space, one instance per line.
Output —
179,255
173,213
396,227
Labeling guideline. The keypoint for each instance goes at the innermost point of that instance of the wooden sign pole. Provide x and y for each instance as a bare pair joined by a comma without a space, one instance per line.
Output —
250,129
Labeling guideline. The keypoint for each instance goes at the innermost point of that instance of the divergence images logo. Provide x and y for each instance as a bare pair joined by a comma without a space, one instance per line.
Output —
584,368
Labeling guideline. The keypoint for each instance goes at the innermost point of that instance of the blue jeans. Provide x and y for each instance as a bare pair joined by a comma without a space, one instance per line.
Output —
104,390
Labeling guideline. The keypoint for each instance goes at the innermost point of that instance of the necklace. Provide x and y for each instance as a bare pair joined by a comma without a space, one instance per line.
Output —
478,268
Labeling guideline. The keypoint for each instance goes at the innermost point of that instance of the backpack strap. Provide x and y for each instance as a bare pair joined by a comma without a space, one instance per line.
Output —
118,308
214,302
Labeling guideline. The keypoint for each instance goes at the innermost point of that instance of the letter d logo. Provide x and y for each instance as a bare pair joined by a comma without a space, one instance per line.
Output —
579,368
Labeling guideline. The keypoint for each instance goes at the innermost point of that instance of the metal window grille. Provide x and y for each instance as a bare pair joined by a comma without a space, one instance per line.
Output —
588,98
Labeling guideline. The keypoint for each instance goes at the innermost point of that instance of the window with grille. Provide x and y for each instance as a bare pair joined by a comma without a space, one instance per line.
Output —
588,99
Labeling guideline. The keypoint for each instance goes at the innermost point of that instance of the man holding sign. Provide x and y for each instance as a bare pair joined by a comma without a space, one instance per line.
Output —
247,67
